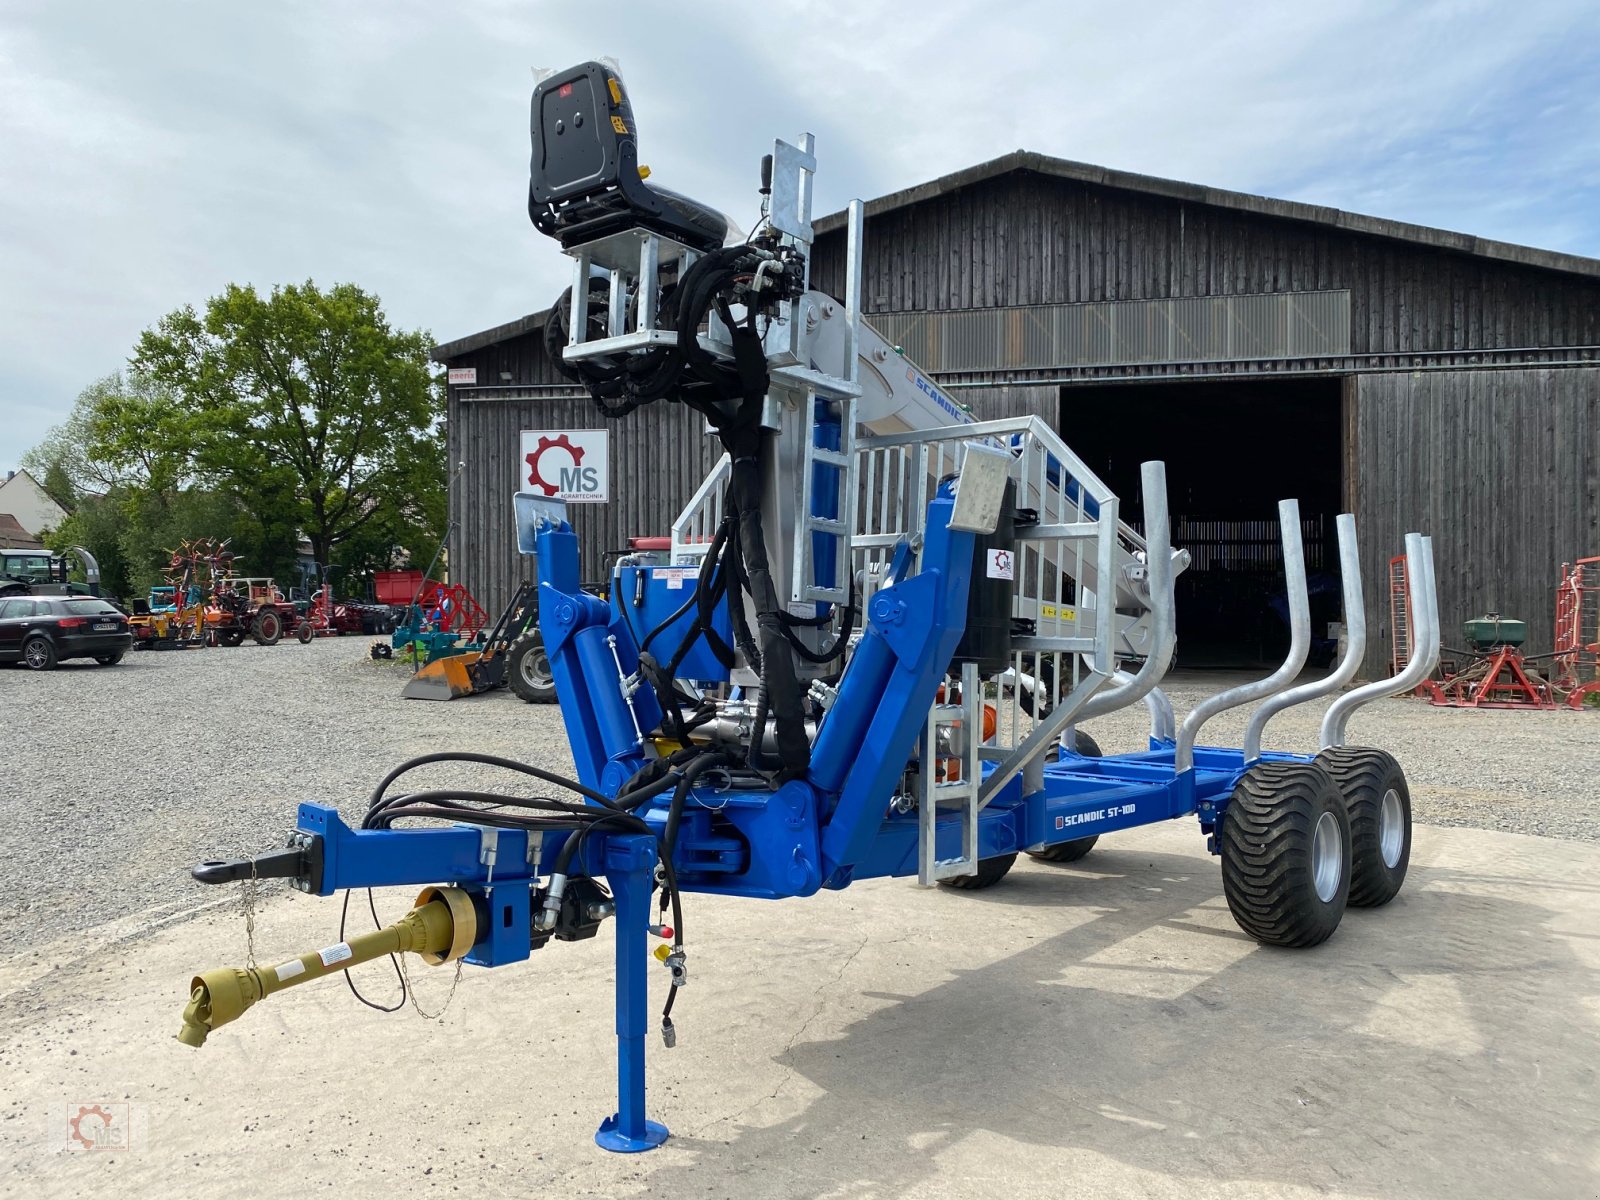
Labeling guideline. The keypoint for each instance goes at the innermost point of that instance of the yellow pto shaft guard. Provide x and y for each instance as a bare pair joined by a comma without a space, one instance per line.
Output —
442,927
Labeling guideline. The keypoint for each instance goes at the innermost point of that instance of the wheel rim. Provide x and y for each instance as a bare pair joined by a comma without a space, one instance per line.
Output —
1327,857
536,669
38,655
1391,828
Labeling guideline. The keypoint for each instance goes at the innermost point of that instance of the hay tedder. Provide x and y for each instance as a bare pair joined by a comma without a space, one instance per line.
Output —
203,603
807,696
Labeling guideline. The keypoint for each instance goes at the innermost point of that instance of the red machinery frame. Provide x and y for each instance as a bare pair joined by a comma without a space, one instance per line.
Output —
463,613
326,617
1399,616
1499,679
1577,654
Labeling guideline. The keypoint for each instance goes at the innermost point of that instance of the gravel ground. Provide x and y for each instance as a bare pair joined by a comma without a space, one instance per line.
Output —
125,777
117,780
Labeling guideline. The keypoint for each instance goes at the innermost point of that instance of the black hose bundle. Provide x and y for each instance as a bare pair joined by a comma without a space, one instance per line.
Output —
730,395
781,687
540,815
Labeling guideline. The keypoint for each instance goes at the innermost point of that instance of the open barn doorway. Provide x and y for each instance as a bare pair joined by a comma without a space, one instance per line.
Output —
1233,449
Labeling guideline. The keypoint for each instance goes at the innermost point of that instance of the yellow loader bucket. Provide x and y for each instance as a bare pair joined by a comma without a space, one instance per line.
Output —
443,679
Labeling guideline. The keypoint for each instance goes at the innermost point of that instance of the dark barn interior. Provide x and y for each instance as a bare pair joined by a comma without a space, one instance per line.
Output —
1233,449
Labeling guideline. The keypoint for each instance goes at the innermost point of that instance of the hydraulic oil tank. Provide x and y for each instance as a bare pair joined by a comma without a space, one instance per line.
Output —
647,596
987,640
1483,633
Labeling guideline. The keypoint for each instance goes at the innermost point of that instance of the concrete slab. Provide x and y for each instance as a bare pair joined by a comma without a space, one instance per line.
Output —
1097,1029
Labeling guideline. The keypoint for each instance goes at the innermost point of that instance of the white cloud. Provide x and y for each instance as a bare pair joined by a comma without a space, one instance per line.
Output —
153,153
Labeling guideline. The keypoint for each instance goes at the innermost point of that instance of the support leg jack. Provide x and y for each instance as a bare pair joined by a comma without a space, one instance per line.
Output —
630,863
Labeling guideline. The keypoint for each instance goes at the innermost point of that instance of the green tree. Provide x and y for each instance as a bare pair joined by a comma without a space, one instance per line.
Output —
98,524
57,483
128,454
305,394
124,430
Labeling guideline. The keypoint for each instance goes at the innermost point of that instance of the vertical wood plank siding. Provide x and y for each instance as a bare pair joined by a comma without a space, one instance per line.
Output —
1501,467
1025,238
1012,400
659,455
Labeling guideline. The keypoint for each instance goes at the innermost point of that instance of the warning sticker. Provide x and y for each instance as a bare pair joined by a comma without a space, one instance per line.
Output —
334,954
289,970
1002,564
619,125
675,576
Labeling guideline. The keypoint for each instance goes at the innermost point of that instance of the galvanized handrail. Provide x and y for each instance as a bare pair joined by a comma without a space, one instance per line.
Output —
1425,610
694,527
1075,544
1294,570
1355,617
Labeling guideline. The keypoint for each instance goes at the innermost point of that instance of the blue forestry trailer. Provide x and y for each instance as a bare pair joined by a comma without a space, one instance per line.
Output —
882,625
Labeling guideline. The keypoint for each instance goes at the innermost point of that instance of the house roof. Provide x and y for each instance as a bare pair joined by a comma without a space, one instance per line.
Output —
19,477
14,537
1290,210
1128,181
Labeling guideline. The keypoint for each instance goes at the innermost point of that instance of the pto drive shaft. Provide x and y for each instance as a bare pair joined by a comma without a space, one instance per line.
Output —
442,927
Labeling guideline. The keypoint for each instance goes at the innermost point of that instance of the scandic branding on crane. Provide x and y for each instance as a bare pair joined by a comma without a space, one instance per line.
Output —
938,397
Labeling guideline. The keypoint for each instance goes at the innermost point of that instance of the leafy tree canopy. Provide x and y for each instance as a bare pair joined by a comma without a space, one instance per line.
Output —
306,390
262,419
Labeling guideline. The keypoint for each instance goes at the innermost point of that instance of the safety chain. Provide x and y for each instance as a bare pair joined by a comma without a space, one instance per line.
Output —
411,990
249,893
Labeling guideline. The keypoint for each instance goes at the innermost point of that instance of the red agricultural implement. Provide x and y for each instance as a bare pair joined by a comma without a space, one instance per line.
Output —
448,607
327,617
1493,672
1577,658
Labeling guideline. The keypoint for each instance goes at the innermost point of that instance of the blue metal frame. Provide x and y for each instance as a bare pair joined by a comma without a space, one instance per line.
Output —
828,830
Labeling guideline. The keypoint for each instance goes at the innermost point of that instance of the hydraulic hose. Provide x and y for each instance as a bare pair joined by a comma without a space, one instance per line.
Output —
492,760
778,675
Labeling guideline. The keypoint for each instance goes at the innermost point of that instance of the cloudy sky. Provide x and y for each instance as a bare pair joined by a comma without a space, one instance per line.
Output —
152,152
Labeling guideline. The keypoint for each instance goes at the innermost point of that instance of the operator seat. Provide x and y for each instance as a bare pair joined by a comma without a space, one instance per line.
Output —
585,181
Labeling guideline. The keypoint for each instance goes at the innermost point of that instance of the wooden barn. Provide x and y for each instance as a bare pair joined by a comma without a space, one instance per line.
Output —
1262,348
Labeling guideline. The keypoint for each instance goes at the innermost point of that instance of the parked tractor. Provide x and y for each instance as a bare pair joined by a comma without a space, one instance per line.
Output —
42,573
244,607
